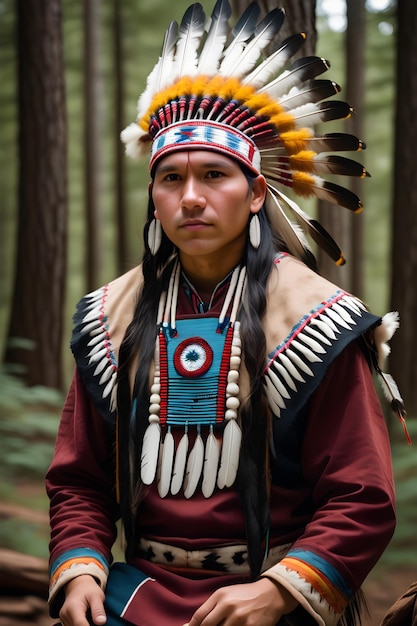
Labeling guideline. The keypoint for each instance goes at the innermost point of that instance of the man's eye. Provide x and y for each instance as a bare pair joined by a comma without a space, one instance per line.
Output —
214,174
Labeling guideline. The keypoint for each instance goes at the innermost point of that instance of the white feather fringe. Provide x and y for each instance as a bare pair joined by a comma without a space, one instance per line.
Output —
230,454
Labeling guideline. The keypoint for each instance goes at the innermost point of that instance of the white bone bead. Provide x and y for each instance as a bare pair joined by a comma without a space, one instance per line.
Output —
234,362
232,403
232,389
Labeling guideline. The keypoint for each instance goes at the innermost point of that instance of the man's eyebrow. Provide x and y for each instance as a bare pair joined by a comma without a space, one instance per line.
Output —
170,167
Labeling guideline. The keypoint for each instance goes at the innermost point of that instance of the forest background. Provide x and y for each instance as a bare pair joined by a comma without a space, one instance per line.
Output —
29,410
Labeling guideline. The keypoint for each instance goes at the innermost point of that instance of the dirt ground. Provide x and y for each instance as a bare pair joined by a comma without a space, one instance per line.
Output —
381,590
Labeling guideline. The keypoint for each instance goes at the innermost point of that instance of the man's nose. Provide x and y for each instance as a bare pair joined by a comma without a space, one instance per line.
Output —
192,196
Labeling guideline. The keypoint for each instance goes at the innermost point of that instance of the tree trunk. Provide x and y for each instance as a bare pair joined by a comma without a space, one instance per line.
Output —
36,324
300,16
347,229
92,109
404,224
119,95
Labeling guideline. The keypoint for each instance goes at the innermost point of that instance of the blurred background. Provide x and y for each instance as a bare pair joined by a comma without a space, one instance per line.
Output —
72,208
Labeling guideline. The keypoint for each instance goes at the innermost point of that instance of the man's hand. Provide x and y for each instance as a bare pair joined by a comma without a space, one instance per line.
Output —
82,596
261,602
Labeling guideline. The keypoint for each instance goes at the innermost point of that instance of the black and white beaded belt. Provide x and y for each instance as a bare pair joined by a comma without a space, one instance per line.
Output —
226,558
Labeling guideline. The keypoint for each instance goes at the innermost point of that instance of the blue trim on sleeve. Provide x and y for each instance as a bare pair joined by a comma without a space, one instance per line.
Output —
323,566
78,553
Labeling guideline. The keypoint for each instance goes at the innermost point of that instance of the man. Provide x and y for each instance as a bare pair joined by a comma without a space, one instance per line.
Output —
223,403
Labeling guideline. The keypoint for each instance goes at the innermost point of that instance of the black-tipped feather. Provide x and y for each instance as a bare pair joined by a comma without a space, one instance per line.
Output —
336,142
338,195
301,70
262,37
211,53
315,230
312,91
275,62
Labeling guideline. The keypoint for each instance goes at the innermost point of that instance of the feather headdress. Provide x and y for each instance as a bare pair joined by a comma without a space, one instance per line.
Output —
213,87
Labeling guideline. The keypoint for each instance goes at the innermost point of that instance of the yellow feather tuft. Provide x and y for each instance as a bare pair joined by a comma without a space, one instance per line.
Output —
303,160
283,122
303,183
296,140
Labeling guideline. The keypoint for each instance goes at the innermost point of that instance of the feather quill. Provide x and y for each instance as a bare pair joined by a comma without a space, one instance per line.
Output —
179,465
275,62
167,459
263,35
150,453
211,53
211,463
194,467
281,224
190,32
242,31
229,461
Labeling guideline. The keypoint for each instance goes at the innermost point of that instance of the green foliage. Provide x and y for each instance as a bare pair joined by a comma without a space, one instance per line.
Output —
28,424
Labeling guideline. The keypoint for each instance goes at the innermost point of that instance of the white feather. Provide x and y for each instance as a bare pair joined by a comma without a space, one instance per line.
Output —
281,224
241,32
229,461
167,460
194,467
131,137
154,236
179,465
150,453
211,463
211,53
190,33
392,393
275,62
161,74
263,35
383,333
300,71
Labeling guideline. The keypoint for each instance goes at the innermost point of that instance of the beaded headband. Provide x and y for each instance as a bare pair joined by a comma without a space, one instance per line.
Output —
213,88
203,134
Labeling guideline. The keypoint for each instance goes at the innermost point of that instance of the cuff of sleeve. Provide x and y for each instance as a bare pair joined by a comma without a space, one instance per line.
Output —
70,565
315,593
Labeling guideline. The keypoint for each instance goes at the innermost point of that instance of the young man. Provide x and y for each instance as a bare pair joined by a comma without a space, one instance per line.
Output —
223,403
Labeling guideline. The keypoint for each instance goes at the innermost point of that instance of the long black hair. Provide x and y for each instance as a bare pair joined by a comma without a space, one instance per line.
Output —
138,346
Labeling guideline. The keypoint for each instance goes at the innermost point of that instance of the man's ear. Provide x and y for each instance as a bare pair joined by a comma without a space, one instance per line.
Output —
258,194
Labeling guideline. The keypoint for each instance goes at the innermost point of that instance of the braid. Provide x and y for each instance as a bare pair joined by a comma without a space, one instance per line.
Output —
139,339
252,478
